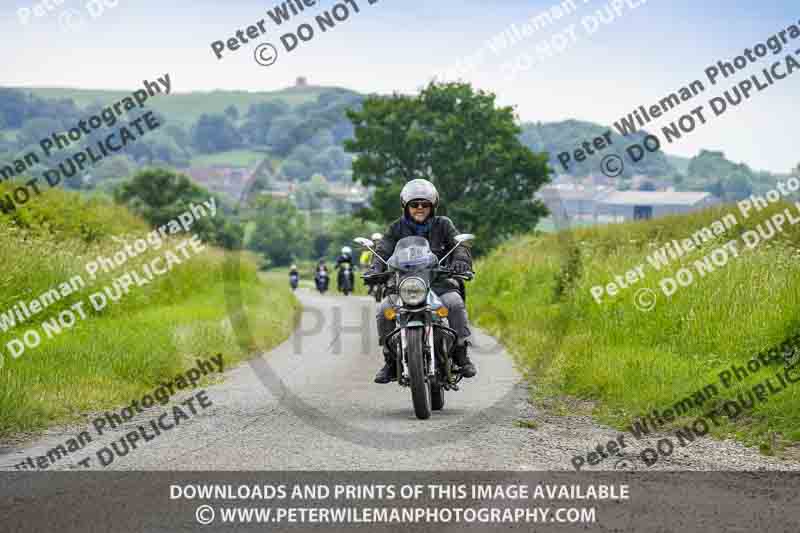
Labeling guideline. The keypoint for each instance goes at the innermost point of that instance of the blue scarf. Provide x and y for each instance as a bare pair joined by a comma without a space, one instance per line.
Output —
420,230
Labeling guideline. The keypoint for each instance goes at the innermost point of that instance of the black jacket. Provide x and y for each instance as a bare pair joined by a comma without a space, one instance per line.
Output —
344,259
441,237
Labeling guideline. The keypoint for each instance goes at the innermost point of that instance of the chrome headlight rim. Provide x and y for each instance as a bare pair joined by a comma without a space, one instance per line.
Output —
413,291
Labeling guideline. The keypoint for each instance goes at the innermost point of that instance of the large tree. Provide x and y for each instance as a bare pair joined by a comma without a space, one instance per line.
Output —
459,139
160,195
281,232
215,133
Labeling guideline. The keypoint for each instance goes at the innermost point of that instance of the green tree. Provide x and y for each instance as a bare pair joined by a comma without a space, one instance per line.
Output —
259,119
321,140
118,167
215,133
37,129
738,186
282,134
178,135
341,230
159,148
280,231
232,113
159,195
295,170
460,140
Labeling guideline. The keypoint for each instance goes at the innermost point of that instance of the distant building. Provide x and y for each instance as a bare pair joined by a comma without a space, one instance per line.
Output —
621,206
301,81
225,180
570,202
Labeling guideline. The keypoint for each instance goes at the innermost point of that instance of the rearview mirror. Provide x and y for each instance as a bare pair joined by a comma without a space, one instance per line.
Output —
460,239
369,245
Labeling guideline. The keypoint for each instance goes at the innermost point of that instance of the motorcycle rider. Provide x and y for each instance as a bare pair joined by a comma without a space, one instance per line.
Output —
346,258
321,277
366,258
419,199
294,276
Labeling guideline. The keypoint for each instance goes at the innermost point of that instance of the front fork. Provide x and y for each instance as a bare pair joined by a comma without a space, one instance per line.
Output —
431,350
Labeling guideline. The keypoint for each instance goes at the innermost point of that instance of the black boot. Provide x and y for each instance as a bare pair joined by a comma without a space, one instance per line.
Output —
461,359
388,373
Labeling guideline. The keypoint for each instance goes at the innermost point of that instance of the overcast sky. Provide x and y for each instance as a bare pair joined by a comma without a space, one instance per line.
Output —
636,59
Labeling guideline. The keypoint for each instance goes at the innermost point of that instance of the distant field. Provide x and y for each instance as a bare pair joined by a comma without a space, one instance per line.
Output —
546,225
237,158
187,108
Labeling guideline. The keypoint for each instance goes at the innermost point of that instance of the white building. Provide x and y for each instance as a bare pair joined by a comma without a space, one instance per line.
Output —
621,206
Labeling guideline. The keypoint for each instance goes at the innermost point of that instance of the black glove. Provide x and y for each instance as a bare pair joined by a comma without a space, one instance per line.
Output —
371,272
460,267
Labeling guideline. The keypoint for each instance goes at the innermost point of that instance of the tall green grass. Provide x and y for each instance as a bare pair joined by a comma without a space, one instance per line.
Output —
631,361
126,349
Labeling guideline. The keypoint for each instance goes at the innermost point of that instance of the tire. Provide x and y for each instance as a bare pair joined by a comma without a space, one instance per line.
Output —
420,389
437,393
437,398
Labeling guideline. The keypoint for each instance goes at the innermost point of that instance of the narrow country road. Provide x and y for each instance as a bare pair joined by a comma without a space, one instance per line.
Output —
311,404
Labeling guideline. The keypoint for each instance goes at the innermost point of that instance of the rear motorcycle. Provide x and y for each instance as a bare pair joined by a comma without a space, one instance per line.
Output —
345,279
322,280
422,341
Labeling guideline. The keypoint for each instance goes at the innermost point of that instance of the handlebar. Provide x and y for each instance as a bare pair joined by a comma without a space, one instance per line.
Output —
377,276
466,276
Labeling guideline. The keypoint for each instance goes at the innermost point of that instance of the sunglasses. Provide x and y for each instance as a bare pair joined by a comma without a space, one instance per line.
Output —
419,205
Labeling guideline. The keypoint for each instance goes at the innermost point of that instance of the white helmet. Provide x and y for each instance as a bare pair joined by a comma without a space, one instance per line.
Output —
293,267
347,251
377,236
419,189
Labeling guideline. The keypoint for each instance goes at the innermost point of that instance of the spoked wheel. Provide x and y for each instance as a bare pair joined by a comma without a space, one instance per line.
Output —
420,388
437,392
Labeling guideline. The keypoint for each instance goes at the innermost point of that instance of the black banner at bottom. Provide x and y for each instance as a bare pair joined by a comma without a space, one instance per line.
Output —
394,501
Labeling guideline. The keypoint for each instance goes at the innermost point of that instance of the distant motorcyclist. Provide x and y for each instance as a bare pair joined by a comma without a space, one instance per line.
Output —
294,277
322,277
419,199
344,261
366,258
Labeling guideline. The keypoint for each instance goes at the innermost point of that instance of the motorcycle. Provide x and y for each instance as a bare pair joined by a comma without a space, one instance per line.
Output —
294,279
345,280
322,280
422,341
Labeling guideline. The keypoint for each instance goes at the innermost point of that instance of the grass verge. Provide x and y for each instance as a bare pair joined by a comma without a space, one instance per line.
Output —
119,353
535,294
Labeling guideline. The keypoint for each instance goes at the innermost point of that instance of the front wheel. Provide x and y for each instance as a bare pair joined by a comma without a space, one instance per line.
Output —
420,389
437,398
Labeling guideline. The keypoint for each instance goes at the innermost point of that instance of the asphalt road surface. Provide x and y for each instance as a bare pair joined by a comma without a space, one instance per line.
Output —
311,404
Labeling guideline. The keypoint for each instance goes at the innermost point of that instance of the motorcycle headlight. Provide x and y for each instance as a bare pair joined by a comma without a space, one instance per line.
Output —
413,291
